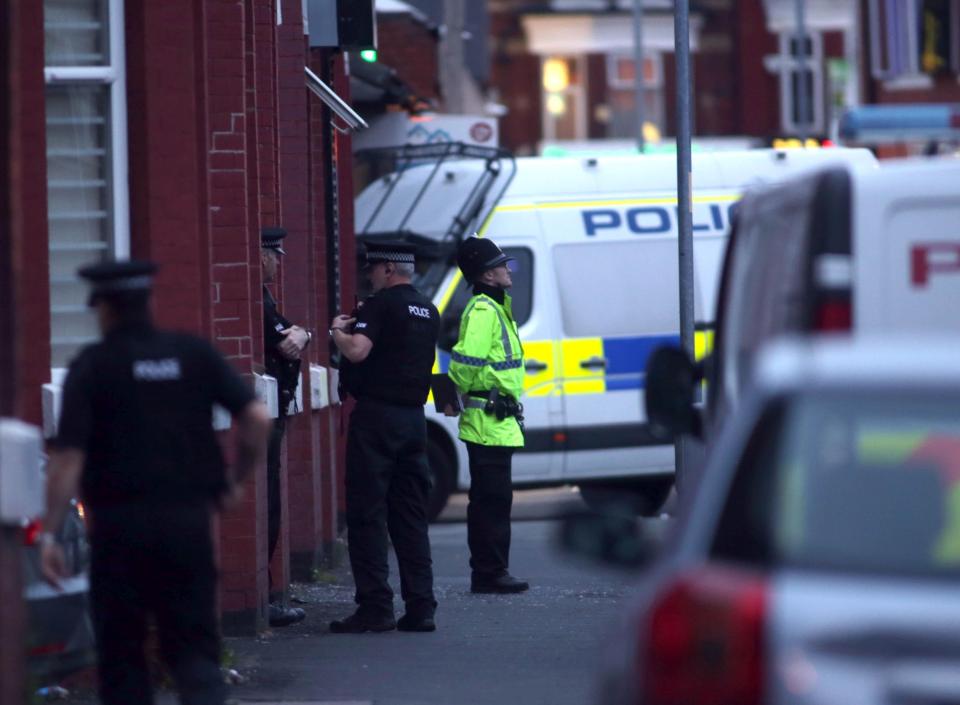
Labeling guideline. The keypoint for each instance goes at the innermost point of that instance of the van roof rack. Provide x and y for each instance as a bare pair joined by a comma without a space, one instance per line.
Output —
499,168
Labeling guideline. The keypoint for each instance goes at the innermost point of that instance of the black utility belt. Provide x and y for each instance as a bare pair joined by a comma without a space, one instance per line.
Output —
495,403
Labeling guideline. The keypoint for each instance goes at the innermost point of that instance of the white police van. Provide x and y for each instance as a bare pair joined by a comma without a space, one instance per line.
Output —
839,251
595,291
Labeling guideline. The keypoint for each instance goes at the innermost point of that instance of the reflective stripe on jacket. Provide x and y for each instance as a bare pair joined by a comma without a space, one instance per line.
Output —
487,355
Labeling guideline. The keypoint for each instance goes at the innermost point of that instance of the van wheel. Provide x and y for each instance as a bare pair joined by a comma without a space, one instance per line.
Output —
643,497
442,475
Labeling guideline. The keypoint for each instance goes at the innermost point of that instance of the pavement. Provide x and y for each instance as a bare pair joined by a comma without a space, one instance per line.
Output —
540,647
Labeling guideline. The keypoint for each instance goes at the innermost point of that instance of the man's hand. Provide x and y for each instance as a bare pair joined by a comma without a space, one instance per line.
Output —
343,322
53,566
294,341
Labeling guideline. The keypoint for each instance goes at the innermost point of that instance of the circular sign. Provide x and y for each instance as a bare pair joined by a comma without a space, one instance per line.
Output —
481,132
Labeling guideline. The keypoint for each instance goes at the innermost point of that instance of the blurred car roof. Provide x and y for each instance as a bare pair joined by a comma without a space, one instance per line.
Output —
829,361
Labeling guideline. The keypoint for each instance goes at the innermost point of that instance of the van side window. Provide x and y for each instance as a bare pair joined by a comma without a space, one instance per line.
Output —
521,293
632,285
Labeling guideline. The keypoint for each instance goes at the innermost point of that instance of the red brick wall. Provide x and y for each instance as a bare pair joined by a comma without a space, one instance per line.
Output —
715,76
409,47
28,227
12,612
758,100
945,89
319,152
305,461
515,74
166,168
7,99
343,162
221,143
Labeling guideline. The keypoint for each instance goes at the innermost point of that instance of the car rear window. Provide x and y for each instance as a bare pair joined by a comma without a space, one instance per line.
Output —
868,483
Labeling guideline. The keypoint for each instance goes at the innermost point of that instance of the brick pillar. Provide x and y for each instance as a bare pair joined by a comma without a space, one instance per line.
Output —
28,224
12,612
168,220
304,449
236,300
343,168
321,189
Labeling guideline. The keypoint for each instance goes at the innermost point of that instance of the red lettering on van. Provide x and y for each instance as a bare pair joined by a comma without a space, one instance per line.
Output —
933,258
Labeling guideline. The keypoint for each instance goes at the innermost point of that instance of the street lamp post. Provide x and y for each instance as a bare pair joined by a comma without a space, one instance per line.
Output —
684,202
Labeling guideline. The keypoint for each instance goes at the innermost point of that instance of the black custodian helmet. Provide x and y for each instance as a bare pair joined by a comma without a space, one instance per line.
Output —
476,255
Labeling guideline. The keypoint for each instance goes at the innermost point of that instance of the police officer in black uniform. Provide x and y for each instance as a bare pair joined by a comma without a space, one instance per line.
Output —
136,436
389,348
283,344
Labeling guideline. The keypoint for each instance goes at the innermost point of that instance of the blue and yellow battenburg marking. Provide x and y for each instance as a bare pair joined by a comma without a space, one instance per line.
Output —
626,359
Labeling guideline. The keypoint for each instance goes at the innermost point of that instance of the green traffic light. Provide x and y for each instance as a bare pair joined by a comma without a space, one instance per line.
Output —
369,55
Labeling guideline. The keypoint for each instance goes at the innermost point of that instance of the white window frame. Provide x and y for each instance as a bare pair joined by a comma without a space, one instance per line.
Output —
114,76
814,64
654,87
913,77
614,81
575,93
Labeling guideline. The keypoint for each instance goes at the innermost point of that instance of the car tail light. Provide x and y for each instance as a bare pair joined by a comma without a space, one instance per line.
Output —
31,532
833,315
705,640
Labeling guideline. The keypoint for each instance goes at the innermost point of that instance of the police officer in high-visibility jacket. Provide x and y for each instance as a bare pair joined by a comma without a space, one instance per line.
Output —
487,366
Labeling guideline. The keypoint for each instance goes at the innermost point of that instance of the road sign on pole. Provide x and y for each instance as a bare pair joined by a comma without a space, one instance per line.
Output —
684,201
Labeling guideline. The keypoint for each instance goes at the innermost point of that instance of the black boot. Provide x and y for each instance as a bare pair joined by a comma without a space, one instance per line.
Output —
357,623
413,623
502,584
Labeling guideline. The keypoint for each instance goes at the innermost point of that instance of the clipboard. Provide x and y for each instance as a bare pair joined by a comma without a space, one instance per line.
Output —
446,397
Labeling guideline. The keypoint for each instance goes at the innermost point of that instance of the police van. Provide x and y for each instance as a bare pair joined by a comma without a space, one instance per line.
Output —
838,251
595,291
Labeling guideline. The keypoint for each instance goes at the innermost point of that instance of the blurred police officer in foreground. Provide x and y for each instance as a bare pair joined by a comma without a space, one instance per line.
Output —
389,346
283,344
136,437
487,366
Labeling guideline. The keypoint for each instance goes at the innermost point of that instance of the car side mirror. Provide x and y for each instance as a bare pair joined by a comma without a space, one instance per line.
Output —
671,386
614,538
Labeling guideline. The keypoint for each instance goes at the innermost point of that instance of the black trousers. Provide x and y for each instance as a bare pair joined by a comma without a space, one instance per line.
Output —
488,512
274,500
155,560
387,483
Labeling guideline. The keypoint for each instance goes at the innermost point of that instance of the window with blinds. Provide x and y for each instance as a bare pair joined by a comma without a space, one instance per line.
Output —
83,71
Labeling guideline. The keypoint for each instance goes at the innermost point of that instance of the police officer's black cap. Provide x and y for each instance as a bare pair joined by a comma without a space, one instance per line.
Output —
476,255
113,279
271,238
390,251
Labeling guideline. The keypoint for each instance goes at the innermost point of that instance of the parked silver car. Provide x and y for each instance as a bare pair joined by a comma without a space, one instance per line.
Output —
59,632
817,557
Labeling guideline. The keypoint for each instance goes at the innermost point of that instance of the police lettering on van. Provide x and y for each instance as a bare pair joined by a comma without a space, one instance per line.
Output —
657,219
928,259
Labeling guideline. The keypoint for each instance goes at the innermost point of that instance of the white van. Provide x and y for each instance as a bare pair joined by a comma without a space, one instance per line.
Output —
595,291
841,251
